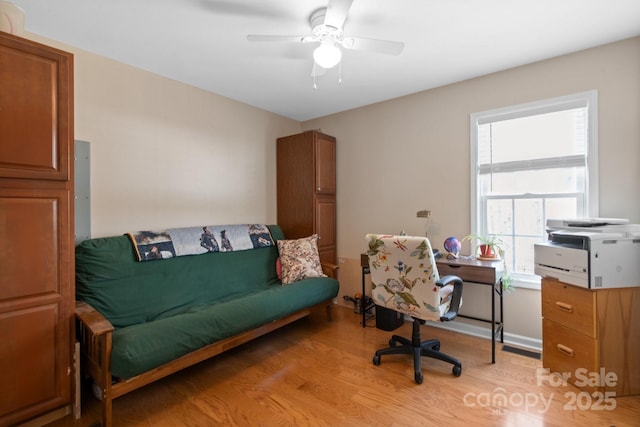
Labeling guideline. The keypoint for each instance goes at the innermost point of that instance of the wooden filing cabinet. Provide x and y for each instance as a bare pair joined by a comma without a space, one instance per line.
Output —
589,334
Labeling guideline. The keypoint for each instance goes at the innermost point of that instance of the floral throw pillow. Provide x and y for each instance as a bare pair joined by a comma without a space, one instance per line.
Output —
300,259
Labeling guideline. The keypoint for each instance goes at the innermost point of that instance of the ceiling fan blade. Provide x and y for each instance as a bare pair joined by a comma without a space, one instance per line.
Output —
387,47
297,39
337,11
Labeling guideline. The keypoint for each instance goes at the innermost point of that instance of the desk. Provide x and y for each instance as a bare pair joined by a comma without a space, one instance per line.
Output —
487,273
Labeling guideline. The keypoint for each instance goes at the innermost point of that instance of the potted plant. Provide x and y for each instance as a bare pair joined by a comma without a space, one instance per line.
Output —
490,246
506,280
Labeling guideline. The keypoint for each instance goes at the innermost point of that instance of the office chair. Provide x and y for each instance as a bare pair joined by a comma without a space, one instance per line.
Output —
405,278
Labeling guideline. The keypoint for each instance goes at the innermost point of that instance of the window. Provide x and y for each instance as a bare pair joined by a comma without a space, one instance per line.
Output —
532,162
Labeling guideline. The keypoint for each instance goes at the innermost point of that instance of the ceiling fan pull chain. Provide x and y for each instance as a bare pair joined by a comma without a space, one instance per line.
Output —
314,76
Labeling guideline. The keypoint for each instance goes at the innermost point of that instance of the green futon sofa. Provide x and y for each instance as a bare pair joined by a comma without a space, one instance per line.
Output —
140,321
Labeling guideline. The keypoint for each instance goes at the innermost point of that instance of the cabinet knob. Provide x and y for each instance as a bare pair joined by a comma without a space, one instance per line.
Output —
564,306
564,349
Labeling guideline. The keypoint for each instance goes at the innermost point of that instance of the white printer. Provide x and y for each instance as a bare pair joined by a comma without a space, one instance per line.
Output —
592,253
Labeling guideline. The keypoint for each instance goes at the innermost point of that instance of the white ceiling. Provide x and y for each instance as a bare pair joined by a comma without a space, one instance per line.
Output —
203,43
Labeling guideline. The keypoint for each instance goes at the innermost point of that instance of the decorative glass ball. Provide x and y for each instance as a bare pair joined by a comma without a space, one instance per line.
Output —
452,245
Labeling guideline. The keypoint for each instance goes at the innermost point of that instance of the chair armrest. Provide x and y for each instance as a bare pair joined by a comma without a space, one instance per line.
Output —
330,270
456,296
92,319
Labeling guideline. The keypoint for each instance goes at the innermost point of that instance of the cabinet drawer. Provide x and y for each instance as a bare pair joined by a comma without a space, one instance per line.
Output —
569,305
470,273
565,350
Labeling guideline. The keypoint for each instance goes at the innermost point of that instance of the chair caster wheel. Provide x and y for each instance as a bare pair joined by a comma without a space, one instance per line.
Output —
392,342
376,360
419,377
436,347
457,370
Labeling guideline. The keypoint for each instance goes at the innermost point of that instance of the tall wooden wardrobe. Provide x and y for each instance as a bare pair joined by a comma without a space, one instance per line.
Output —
36,231
306,170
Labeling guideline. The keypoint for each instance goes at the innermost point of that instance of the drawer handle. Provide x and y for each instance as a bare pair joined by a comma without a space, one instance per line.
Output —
566,350
564,306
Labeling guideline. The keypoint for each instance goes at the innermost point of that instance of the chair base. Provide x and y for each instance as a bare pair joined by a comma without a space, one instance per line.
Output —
429,348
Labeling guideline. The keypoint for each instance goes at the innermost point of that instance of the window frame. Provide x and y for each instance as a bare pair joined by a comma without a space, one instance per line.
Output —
588,100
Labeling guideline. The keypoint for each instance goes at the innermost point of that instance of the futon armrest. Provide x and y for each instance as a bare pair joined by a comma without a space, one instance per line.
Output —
94,332
456,295
92,319
330,270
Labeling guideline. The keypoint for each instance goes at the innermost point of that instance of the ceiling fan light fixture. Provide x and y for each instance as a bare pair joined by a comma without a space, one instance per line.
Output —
327,55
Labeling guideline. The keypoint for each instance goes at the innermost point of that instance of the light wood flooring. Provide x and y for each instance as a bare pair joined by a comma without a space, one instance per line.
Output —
319,373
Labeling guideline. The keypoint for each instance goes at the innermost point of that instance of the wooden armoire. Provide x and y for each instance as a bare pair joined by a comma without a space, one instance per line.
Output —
306,171
36,232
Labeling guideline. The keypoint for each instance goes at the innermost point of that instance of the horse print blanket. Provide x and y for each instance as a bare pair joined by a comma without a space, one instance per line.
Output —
153,245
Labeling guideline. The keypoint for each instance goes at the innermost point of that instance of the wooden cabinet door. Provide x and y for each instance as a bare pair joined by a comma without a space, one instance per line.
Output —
36,233
325,164
36,117
325,227
35,312
295,185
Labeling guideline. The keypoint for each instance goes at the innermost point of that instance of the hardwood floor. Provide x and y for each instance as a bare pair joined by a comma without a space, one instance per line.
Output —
315,373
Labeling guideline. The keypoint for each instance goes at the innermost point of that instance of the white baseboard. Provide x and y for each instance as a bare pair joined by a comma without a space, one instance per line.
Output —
528,343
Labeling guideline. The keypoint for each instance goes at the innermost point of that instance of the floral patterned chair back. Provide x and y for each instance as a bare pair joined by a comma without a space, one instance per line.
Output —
404,276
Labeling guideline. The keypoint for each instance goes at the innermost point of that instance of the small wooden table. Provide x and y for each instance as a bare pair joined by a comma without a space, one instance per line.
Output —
483,273
470,271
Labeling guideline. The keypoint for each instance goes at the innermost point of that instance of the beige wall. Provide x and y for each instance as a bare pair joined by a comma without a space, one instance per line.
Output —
165,154
412,153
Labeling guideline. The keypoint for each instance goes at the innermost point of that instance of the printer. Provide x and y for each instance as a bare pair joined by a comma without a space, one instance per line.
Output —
592,253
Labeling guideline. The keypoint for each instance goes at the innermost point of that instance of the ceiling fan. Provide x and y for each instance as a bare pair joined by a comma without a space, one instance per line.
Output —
327,29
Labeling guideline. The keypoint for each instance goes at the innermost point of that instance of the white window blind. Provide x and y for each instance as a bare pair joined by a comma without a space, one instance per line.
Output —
532,162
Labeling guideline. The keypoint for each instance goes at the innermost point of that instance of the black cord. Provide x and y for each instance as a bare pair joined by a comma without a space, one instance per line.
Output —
367,321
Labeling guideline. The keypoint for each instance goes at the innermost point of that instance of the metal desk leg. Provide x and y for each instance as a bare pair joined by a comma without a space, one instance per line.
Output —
493,324
501,315
364,312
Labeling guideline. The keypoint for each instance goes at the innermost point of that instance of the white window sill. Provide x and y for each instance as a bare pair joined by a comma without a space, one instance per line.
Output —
527,282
